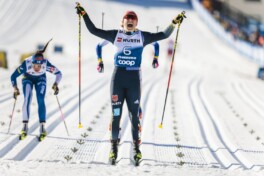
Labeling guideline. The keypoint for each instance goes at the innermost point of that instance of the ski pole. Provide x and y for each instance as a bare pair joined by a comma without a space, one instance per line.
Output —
62,116
103,20
171,67
11,116
79,66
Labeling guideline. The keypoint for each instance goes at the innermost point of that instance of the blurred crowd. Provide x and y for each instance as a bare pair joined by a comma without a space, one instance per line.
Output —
240,25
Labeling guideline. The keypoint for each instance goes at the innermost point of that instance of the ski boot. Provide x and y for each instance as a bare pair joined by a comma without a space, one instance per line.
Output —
113,152
43,132
137,153
24,131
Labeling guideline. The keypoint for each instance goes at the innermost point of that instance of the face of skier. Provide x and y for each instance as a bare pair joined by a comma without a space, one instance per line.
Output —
37,61
36,67
130,21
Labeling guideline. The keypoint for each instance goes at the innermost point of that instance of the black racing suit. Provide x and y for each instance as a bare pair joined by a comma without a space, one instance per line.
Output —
126,83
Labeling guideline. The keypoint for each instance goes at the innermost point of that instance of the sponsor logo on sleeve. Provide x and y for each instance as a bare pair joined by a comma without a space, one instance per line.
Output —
51,69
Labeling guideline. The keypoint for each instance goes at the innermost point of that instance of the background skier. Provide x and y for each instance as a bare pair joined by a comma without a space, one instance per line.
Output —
34,74
99,47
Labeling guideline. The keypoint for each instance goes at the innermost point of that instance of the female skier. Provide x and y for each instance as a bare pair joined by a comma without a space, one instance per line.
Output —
34,74
126,78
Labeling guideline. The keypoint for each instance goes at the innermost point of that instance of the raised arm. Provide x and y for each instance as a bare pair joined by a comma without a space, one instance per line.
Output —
104,34
153,37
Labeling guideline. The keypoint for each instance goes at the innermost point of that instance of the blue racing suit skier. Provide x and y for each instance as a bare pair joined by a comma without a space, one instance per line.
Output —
34,70
100,69
126,78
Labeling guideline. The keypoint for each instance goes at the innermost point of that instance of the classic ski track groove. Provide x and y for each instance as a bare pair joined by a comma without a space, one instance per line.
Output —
202,126
21,155
216,127
241,159
253,102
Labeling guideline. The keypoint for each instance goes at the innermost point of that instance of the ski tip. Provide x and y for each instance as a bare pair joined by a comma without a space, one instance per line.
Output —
160,126
80,125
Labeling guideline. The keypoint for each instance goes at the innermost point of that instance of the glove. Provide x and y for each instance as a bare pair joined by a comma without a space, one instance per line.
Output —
55,88
80,10
100,67
16,92
179,18
155,63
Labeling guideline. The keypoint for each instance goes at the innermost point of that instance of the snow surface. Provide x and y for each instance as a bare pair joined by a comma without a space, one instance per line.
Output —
214,117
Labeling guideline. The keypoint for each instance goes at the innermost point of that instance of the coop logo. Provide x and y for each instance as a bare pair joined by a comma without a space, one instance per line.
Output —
126,62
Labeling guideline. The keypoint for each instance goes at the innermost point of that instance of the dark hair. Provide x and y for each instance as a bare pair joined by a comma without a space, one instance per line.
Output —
39,54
